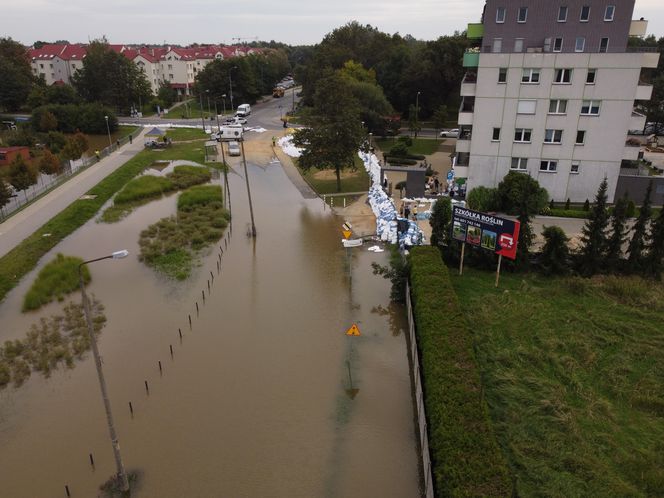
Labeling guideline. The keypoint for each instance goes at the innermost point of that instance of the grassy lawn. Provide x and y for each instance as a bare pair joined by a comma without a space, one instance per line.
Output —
573,371
23,258
181,134
100,141
191,109
325,182
424,146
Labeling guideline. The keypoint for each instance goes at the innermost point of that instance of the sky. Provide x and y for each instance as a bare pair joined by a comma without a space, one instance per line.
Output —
295,22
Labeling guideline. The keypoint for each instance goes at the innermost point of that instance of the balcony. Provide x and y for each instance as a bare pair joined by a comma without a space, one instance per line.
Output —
467,104
638,28
471,58
475,31
631,152
637,122
465,132
462,159
643,92
469,84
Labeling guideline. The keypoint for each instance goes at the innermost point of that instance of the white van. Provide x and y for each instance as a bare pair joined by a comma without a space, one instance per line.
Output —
243,110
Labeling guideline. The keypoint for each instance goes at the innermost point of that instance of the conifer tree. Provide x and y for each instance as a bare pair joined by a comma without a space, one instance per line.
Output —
637,243
594,235
618,234
654,260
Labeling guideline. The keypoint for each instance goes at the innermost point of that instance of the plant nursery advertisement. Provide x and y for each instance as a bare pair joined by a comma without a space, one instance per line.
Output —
492,233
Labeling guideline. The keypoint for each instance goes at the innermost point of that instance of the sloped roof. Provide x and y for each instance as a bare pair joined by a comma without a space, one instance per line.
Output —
47,51
155,132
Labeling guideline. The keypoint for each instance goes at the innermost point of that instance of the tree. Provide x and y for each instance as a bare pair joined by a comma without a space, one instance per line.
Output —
48,122
593,240
637,243
16,80
335,133
483,199
110,78
5,194
166,94
441,217
49,164
654,260
618,235
555,253
74,147
521,194
440,118
21,175
413,120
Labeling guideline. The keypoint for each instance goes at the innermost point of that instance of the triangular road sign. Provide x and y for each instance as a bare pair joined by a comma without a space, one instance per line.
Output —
347,234
354,331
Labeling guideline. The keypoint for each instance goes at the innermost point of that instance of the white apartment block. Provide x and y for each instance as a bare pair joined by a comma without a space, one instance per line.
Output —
554,99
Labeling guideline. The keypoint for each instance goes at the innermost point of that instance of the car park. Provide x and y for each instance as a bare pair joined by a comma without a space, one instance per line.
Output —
453,133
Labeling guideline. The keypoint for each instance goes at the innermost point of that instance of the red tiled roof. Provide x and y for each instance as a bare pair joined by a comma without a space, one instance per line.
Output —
14,148
73,52
47,51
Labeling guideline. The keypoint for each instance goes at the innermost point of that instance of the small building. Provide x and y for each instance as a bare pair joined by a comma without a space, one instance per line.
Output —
8,154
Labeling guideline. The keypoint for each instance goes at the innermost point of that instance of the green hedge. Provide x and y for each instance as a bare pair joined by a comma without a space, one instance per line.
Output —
569,213
466,459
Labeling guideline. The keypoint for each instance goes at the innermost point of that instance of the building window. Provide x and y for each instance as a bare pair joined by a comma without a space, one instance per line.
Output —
530,75
585,13
41,66
523,14
562,14
496,135
502,75
500,15
519,163
526,107
522,135
518,45
575,168
557,44
170,76
549,166
603,45
170,66
580,137
580,44
553,136
563,76
557,107
591,76
590,107
609,12
497,45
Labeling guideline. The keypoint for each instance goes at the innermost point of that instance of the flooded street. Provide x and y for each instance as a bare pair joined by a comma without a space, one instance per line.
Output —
256,400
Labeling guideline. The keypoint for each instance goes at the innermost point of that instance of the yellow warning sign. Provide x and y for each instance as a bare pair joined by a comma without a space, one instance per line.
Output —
354,330
347,234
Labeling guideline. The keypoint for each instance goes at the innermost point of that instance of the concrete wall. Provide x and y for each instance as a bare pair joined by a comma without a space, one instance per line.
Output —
636,186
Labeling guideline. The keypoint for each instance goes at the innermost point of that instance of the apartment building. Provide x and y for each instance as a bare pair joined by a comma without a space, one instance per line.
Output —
550,91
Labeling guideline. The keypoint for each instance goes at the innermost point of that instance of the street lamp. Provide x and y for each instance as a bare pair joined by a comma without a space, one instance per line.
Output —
208,98
200,97
122,475
108,130
230,81
224,102
417,113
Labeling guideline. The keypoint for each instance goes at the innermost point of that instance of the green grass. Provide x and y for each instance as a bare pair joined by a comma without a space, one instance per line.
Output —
573,371
170,246
358,181
191,110
426,146
57,279
23,258
466,460
143,187
180,134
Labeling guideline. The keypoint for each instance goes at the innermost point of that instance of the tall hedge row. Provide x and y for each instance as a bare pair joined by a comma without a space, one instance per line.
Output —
466,458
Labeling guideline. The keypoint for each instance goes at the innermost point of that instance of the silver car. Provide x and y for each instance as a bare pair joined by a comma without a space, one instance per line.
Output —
453,133
233,149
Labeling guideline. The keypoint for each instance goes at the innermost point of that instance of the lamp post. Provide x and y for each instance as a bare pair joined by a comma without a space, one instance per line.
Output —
122,475
200,98
108,130
281,114
417,113
230,82
207,92
224,102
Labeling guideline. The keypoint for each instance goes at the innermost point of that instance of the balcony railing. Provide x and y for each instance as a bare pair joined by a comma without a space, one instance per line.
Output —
467,104
465,133
644,50
470,77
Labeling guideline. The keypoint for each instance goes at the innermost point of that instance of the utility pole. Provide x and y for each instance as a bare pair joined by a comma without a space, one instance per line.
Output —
246,178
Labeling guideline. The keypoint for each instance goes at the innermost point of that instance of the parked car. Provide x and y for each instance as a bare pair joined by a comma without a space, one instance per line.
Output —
233,149
240,120
453,133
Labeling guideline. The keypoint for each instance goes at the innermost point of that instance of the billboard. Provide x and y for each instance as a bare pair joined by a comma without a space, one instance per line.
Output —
489,232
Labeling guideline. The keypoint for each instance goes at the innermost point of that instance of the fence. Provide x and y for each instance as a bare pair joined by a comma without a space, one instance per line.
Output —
419,400
46,183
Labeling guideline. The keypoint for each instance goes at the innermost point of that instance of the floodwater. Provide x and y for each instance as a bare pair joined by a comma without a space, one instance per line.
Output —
257,399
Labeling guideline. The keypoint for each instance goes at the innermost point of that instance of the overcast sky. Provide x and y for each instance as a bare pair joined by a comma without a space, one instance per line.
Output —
206,21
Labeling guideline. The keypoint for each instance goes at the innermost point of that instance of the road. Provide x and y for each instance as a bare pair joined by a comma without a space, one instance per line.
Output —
22,224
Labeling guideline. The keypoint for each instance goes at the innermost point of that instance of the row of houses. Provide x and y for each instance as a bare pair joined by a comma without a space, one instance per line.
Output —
177,66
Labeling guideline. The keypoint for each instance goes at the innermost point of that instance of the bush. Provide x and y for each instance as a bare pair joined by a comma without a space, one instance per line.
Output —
57,279
143,187
401,161
465,457
555,253
517,187
88,118
399,150
405,140
631,209
571,213
483,199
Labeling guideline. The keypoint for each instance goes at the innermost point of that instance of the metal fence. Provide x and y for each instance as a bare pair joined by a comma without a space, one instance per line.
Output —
419,400
46,183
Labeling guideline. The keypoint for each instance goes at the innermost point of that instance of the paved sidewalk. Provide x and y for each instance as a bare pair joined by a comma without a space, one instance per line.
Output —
22,224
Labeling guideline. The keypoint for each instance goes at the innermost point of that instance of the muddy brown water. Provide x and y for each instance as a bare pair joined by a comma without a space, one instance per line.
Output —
256,400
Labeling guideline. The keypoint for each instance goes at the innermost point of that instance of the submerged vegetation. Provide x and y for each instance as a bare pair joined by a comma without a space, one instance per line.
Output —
143,189
58,339
55,280
170,245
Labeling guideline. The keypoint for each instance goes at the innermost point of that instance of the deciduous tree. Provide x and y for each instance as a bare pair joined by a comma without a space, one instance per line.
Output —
22,175
49,164
16,77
